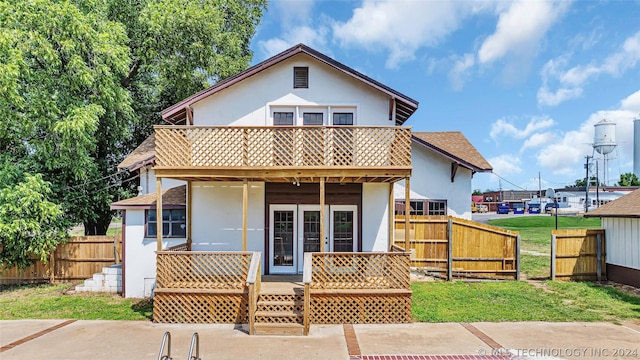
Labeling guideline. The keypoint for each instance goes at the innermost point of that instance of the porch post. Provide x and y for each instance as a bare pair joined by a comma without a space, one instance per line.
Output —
189,211
245,206
407,211
322,234
159,213
392,216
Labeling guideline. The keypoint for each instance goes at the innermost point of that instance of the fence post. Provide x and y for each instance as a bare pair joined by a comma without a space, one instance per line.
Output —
518,257
599,257
52,266
450,249
115,249
553,256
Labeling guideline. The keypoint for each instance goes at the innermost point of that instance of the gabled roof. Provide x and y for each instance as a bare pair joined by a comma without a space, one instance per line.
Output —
144,154
405,106
627,206
175,197
456,147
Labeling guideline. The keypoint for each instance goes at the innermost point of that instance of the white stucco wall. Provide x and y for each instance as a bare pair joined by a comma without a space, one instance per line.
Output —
622,241
375,217
140,256
217,217
148,181
431,179
250,102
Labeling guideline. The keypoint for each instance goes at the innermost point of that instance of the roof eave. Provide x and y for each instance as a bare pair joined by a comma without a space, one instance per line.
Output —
177,112
451,157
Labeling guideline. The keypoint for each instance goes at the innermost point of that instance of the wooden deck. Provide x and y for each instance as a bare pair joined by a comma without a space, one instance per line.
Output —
283,153
337,288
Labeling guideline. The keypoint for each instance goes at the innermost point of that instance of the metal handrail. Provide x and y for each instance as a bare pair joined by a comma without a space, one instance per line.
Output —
195,341
166,340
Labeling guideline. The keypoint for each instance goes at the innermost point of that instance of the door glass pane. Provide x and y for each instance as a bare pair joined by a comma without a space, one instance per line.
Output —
343,231
311,231
283,238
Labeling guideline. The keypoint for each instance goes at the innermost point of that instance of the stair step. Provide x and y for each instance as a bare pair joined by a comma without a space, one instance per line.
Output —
281,303
280,314
278,329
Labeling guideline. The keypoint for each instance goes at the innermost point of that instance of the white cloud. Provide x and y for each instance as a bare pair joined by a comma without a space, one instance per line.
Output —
571,81
460,70
298,24
402,27
538,140
505,165
520,28
566,155
548,98
315,38
632,102
502,128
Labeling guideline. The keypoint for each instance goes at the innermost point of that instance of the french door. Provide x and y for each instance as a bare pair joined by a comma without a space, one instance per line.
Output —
295,229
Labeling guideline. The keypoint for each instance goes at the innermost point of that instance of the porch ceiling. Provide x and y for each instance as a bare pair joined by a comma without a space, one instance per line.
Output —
304,175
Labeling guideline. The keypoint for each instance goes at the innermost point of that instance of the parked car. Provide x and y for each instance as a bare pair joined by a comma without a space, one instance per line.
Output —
503,209
482,208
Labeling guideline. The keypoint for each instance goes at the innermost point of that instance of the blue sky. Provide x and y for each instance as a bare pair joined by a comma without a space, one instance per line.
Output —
524,81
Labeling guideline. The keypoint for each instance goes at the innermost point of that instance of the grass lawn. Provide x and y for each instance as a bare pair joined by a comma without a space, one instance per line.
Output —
521,301
535,238
52,302
432,302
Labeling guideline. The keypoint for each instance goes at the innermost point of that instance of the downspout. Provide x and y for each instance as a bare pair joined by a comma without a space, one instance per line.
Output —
124,247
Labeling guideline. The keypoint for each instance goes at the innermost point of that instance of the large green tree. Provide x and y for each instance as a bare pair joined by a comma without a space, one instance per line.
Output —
628,179
82,81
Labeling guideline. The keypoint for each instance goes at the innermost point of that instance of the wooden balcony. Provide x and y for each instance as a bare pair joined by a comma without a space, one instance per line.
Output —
272,153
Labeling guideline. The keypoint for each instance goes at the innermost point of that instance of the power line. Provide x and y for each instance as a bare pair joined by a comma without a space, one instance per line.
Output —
92,181
502,178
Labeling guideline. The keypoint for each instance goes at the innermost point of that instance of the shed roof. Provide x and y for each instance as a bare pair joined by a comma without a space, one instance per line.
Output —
144,154
405,106
627,206
175,197
455,146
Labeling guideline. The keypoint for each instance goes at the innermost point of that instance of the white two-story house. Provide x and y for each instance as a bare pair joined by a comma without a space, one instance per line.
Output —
296,154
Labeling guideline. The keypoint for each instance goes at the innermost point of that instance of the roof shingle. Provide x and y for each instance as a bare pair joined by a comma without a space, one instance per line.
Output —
454,145
173,197
625,206
142,155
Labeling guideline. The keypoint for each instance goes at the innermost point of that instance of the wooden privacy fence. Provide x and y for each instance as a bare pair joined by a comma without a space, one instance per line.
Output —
578,254
457,248
77,259
356,288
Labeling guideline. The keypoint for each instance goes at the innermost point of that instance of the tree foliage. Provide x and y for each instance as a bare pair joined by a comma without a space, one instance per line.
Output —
82,81
30,224
628,179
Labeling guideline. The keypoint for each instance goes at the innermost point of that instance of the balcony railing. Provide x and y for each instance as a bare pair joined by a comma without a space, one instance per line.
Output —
272,147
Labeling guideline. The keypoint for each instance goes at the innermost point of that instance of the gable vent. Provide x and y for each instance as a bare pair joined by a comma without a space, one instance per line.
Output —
300,77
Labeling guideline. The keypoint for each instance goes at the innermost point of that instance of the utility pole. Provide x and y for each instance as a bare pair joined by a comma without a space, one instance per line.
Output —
597,186
586,191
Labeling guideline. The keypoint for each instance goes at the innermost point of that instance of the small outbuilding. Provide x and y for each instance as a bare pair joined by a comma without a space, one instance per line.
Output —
621,222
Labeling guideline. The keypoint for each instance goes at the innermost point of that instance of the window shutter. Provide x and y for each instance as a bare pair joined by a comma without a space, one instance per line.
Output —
300,77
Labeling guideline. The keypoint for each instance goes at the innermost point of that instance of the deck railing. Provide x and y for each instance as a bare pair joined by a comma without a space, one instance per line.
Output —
357,288
282,147
201,287
253,284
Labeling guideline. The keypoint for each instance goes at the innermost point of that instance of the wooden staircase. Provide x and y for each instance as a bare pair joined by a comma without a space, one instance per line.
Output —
280,307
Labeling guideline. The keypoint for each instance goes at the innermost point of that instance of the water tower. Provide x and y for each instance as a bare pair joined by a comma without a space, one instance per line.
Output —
604,141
